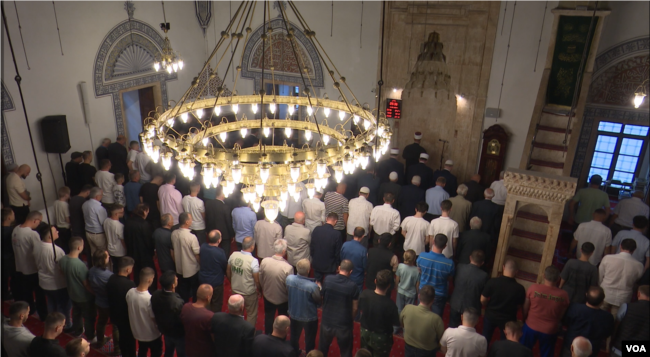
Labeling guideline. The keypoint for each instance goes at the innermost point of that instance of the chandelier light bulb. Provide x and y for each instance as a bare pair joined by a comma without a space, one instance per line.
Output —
156,66
205,141
638,99
310,111
326,111
199,112
366,124
296,196
326,139
155,154
254,108
167,161
338,174
215,181
271,209
169,69
282,205
321,168
284,194
256,205
259,189
175,67
291,188
272,108
217,110
207,175
184,117
180,64
308,135
223,136
265,172
364,162
291,109
295,172
266,131
287,132
235,171
235,108
243,132
311,190
341,115
170,122
380,131
355,119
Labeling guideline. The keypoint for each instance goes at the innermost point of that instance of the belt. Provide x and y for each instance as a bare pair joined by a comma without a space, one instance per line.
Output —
94,232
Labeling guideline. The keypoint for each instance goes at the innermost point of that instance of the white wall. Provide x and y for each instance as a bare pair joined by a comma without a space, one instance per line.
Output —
50,87
628,20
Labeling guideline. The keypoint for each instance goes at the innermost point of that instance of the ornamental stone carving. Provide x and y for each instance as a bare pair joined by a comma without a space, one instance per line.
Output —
540,186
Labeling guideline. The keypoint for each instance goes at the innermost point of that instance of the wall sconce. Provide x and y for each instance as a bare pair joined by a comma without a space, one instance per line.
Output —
640,94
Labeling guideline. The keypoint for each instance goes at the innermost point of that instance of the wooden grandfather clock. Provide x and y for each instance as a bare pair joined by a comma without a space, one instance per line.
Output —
495,142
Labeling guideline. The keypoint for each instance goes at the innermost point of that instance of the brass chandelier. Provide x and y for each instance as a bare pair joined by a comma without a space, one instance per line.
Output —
333,136
167,60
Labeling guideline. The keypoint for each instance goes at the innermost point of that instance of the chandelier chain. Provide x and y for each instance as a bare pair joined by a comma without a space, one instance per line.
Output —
57,27
241,57
20,31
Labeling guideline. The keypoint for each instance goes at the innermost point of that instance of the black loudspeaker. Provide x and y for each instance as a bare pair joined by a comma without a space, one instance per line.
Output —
55,134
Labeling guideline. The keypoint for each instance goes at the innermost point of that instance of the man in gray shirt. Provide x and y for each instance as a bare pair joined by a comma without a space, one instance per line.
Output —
16,337
298,239
163,240
642,252
468,284
578,275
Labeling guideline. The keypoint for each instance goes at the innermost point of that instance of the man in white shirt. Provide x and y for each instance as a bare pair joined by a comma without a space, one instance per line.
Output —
134,149
447,226
298,239
414,229
15,336
141,317
594,232
140,164
435,195
186,257
637,233
618,274
19,197
314,210
384,218
114,231
195,206
500,191
360,209
105,180
464,341
626,210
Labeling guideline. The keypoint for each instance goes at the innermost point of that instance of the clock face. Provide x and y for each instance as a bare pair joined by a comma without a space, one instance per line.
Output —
494,147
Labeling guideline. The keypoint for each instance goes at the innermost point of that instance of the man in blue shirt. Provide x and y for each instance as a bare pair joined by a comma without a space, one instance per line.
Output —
132,191
435,195
304,297
436,270
355,252
340,304
212,269
243,221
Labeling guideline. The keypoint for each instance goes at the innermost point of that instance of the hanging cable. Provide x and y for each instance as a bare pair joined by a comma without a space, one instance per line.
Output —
540,37
57,28
503,23
264,36
332,21
361,27
426,21
18,79
408,63
20,30
505,65
381,74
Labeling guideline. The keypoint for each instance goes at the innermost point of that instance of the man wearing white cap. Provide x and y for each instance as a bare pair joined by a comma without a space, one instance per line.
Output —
360,209
369,180
392,186
421,169
452,182
314,210
412,152
386,167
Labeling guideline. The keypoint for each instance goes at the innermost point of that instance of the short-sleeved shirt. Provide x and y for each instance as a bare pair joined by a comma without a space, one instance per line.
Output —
24,240
15,186
378,312
162,238
596,233
118,195
114,230
98,278
434,197
360,212
416,233
463,342
186,248
338,293
446,226
50,276
170,201
408,278
105,180
243,222
141,317
593,324
335,202
505,295
358,255
547,306
435,270
578,276
642,250
76,273
468,285
43,347
61,212
132,195
629,208
195,207
197,322
422,327
590,200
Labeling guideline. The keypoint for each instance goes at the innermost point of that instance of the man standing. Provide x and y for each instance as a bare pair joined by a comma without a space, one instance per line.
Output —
500,191
378,316
118,156
578,275
370,181
77,224
626,210
472,240
105,180
102,151
325,248
132,191
170,198
86,170
410,196
15,336
633,322
298,239
274,271
47,344
141,317
469,283
162,238
274,344
19,197
474,189
451,183
421,169
213,268
390,165
139,243
219,216
314,210
266,234
381,257
243,222
50,276
414,229
588,200
594,232
542,314
464,340
589,321
355,252
435,196
462,208
618,274
436,270
642,252
142,164
444,225
149,195
119,285
194,205
304,297
340,303
114,230
292,206
233,336
488,212
166,305
360,210
422,328
384,218
134,149
411,152
335,202
197,322
502,297
391,186
243,272
510,347
72,176
94,217
186,257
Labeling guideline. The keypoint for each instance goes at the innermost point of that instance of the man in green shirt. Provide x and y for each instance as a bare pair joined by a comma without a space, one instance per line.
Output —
422,327
589,199
83,302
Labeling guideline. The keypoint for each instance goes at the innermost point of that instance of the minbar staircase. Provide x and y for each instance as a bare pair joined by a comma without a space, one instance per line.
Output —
549,146
526,243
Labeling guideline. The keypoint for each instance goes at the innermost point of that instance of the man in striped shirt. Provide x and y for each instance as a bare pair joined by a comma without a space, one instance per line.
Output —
337,203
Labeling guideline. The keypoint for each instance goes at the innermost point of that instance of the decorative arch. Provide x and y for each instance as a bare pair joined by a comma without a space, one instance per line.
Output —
125,59
7,106
286,65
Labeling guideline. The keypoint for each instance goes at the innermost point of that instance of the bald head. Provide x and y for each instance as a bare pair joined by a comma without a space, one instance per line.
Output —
488,193
23,171
236,304
341,188
204,293
476,178
581,347
299,218
281,326
510,268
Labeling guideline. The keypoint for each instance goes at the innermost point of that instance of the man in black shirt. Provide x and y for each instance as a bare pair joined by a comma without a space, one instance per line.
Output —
77,221
102,151
468,285
87,170
340,303
472,240
325,248
72,177
378,316
118,155
149,195
578,275
218,215
275,344
502,297
162,238
118,285
589,321
233,336
510,347
411,152
167,305
490,214
8,258
47,344
474,189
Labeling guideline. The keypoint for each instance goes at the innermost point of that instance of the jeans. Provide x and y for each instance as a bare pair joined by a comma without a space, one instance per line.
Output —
379,344
403,300
438,306
311,329
343,337
488,330
86,311
200,235
59,301
546,341
269,314
155,346
410,351
127,341
28,288
216,303
174,343
187,287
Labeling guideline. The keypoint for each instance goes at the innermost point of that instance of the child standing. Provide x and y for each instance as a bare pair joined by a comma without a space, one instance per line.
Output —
62,218
118,190
407,279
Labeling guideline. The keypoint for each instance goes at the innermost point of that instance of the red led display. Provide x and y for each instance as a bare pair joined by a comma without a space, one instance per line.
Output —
394,109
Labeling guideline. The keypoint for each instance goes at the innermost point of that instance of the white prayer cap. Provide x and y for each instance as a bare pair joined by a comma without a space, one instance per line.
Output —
417,135
449,163
392,176
424,156
394,151
364,189
416,180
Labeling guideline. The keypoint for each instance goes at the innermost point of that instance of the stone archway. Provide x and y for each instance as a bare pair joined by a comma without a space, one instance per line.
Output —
124,60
